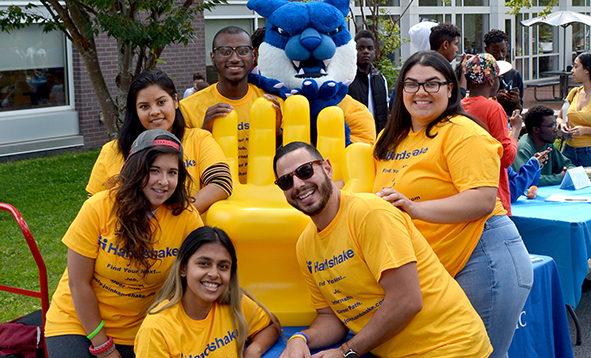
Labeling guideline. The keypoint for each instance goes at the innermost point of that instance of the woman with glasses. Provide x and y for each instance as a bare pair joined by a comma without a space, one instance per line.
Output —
577,125
442,168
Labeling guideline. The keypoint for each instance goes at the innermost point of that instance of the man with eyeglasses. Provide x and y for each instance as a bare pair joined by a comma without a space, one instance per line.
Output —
369,270
542,131
232,57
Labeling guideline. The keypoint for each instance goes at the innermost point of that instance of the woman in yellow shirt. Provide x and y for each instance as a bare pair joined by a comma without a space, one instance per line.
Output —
202,309
442,168
152,103
120,249
577,127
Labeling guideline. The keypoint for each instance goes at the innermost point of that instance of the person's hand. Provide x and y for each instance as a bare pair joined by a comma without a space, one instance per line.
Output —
578,131
296,348
502,96
563,172
398,200
278,114
516,121
329,353
213,112
542,157
513,96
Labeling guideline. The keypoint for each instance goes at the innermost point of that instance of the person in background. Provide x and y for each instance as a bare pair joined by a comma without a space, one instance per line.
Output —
577,126
121,246
257,37
528,175
152,102
510,93
202,302
370,86
382,280
442,168
542,131
199,83
482,73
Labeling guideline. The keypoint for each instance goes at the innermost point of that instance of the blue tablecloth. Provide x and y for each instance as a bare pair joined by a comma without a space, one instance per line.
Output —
542,329
559,230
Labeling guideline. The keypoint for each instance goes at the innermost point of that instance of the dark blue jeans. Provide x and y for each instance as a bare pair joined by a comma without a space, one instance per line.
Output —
578,156
76,346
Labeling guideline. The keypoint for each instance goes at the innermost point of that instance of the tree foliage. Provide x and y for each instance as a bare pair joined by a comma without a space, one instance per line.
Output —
142,29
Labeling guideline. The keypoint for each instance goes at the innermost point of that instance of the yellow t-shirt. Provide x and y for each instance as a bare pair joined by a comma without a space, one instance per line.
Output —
462,156
195,106
199,149
342,266
359,120
578,118
123,294
171,333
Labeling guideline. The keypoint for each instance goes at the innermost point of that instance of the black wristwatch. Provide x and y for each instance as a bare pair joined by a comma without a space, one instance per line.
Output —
349,353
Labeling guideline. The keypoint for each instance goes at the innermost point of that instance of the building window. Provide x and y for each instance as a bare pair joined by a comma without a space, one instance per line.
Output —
473,28
33,70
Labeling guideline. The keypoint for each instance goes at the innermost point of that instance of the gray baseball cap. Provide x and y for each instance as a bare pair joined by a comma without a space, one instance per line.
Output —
155,137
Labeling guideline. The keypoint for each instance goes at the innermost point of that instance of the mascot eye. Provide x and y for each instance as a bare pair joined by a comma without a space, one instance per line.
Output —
282,32
335,31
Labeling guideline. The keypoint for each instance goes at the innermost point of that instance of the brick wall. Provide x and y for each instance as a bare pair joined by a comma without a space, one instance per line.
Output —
180,63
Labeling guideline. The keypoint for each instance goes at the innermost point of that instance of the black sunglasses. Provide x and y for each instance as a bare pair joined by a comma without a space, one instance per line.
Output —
304,171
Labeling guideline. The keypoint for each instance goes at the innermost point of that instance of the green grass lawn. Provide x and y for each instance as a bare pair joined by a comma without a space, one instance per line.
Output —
48,192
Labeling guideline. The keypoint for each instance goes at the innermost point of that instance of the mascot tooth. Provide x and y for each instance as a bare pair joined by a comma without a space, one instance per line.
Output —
309,50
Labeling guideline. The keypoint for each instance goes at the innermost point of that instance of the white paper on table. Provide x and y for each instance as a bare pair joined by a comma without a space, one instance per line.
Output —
569,198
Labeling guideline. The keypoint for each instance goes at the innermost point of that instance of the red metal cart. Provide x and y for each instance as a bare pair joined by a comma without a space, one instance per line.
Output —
42,293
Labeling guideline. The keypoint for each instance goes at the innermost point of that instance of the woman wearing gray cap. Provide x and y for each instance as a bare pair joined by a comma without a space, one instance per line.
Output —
120,249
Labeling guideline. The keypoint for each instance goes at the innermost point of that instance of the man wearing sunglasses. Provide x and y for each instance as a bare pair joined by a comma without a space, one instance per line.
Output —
541,133
232,56
370,270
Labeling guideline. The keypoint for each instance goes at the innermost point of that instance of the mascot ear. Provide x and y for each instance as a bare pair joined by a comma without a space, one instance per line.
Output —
265,8
342,5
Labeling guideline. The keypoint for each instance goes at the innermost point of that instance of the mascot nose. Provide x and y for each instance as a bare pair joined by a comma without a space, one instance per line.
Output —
310,39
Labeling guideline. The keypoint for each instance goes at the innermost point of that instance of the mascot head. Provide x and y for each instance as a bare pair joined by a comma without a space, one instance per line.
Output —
306,40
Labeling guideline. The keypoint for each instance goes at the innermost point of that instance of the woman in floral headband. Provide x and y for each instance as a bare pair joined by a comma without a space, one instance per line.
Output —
432,152
482,74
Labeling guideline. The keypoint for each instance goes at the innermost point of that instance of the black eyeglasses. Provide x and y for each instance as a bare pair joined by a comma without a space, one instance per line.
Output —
304,171
429,87
226,51
551,126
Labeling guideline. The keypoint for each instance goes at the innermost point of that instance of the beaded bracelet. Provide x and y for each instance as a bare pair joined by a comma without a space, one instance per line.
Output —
109,351
97,330
299,335
103,348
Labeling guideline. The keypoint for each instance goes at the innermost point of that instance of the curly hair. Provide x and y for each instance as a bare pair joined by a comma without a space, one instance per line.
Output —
535,116
441,33
132,126
134,229
495,36
399,122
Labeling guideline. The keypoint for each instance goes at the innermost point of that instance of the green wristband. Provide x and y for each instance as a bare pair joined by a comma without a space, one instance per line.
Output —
96,331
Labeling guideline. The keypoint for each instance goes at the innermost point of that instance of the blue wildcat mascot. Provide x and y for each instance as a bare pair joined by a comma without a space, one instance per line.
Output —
309,49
